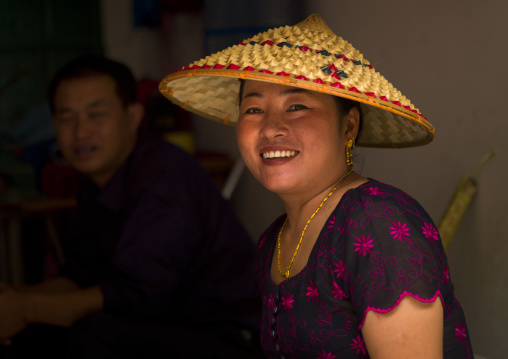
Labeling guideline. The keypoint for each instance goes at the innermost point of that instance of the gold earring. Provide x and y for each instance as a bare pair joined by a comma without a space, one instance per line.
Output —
349,150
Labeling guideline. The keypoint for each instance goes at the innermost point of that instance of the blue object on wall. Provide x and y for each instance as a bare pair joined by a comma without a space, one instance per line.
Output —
146,13
228,22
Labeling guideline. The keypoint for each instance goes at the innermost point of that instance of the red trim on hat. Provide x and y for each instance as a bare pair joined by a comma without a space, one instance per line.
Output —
250,72
338,85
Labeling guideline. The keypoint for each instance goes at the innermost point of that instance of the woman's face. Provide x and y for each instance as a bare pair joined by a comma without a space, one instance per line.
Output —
290,138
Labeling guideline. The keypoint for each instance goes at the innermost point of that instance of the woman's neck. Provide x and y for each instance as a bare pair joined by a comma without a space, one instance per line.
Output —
301,206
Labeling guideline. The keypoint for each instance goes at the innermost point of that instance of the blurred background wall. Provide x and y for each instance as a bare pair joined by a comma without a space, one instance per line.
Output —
448,57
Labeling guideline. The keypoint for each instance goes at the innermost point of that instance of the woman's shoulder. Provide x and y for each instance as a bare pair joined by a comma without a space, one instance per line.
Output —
377,199
373,188
375,192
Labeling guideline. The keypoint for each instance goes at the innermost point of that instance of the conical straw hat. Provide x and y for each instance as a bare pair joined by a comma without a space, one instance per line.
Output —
307,55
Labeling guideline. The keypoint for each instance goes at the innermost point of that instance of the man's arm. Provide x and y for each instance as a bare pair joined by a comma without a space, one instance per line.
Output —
57,302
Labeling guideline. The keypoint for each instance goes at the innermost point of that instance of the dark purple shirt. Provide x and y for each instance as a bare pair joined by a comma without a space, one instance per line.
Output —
162,243
377,246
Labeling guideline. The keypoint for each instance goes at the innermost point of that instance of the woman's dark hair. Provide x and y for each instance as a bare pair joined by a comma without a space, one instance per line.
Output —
344,105
92,65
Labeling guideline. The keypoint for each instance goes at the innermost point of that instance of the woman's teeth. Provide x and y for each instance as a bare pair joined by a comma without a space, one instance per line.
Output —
278,154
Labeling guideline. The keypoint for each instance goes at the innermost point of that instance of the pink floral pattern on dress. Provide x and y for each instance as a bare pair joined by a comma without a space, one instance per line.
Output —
363,245
460,333
337,292
325,355
400,231
331,222
358,345
312,292
373,191
339,269
430,232
287,301
270,300
377,241
446,272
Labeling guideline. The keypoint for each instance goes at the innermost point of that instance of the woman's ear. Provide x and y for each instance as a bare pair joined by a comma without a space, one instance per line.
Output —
352,124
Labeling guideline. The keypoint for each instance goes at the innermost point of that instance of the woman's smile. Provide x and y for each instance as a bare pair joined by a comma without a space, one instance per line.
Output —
278,154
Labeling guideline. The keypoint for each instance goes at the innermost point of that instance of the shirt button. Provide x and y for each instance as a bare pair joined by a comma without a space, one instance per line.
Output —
275,310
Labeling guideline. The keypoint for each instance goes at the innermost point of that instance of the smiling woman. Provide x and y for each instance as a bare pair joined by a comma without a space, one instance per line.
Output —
355,267
281,118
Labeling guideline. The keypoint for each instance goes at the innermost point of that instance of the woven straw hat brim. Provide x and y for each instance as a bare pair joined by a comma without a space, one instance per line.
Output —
307,55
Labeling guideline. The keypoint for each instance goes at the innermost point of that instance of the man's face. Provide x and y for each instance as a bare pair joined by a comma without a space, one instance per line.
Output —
96,133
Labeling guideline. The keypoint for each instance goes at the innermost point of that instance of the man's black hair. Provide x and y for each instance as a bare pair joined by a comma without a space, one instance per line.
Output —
93,65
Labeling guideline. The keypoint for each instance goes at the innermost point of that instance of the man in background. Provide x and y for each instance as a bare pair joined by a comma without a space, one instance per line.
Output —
158,265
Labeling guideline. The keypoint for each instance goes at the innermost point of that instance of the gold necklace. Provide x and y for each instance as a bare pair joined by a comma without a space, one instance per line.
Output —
286,274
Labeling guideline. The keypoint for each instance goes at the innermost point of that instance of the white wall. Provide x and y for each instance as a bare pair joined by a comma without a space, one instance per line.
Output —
449,58
124,43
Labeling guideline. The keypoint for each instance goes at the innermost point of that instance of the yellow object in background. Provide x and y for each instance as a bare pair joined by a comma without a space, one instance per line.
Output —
182,139
455,210
458,204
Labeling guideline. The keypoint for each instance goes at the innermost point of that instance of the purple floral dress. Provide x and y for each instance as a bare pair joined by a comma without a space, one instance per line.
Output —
377,246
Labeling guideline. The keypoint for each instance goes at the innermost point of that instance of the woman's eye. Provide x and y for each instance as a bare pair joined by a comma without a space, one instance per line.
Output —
297,107
253,110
